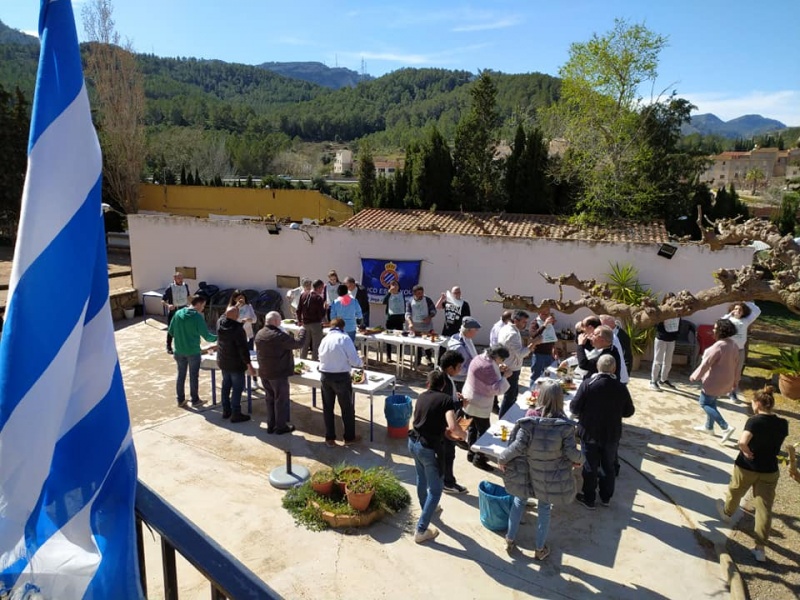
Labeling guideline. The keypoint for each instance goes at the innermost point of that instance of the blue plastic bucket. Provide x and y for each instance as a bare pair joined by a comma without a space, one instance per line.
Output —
495,504
397,411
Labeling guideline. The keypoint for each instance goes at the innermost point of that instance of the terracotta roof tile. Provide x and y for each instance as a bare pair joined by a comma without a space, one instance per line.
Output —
504,225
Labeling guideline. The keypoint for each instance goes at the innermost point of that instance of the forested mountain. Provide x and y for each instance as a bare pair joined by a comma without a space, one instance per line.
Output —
14,36
316,72
746,126
240,99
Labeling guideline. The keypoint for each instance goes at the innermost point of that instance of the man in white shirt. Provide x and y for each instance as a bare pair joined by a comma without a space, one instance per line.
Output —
337,355
511,339
495,331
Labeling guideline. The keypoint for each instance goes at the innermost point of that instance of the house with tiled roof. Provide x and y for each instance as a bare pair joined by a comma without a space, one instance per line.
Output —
732,167
505,225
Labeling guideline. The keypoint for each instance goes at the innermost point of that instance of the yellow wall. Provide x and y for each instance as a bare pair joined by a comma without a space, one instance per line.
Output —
200,201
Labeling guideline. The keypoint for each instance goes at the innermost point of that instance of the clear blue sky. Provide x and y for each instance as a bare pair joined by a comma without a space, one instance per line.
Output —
729,57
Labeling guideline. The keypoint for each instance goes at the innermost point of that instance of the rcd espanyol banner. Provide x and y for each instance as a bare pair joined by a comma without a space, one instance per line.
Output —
378,273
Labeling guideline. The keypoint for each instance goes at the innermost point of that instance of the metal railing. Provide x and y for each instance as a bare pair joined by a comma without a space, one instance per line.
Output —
229,578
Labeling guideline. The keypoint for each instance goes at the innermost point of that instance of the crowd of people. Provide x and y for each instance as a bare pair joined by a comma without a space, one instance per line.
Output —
545,447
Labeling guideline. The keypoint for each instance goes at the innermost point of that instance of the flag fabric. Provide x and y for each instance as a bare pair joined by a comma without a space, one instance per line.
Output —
67,462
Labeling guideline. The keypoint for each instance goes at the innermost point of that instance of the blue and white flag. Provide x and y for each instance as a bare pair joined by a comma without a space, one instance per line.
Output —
67,462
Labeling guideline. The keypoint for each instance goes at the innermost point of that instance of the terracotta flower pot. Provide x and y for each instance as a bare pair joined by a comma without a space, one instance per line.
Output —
348,474
323,488
358,500
789,385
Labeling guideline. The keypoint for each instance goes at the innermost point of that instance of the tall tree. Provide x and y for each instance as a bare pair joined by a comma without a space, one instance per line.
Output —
119,101
476,181
513,172
663,174
527,181
367,182
431,172
599,115
14,127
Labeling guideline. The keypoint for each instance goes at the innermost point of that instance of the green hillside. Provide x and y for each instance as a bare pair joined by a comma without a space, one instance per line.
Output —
236,99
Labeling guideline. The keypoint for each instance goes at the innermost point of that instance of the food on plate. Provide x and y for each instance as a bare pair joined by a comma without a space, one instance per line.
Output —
300,368
289,322
358,376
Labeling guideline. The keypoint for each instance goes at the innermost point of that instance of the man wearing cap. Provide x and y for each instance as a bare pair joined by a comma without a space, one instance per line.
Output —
233,359
462,342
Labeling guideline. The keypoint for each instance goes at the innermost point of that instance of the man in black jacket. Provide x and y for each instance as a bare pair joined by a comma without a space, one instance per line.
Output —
601,342
600,404
274,349
233,359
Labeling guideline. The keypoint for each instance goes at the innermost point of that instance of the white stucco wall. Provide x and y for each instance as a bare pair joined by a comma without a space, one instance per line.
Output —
241,254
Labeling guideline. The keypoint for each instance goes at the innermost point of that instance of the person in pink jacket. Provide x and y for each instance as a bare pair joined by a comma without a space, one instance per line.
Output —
717,371
487,377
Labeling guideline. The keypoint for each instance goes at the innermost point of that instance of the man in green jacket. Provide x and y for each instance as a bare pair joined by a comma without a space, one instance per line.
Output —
186,329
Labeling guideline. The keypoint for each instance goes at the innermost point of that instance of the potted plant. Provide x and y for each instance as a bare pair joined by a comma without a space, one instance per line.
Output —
641,340
359,492
625,287
322,482
346,473
788,371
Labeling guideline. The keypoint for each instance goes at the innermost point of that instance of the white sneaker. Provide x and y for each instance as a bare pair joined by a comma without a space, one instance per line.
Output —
727,433
423,536
759,554
704,429
726,518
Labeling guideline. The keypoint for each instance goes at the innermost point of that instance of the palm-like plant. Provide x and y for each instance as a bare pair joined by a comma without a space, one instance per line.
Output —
626,288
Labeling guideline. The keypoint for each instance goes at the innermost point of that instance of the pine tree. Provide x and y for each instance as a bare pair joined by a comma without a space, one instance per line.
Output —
512,172
476,181
367,183
183,175
432,172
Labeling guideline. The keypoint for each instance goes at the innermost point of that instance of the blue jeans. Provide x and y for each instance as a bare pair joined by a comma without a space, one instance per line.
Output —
709,404
542,520
430,481
510,397
539,362
192,364
232,387
351,335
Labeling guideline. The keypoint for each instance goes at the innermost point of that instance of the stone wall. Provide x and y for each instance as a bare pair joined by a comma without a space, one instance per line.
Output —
121,299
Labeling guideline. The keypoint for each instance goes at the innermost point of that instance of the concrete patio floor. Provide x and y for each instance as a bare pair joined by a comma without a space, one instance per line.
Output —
658,539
